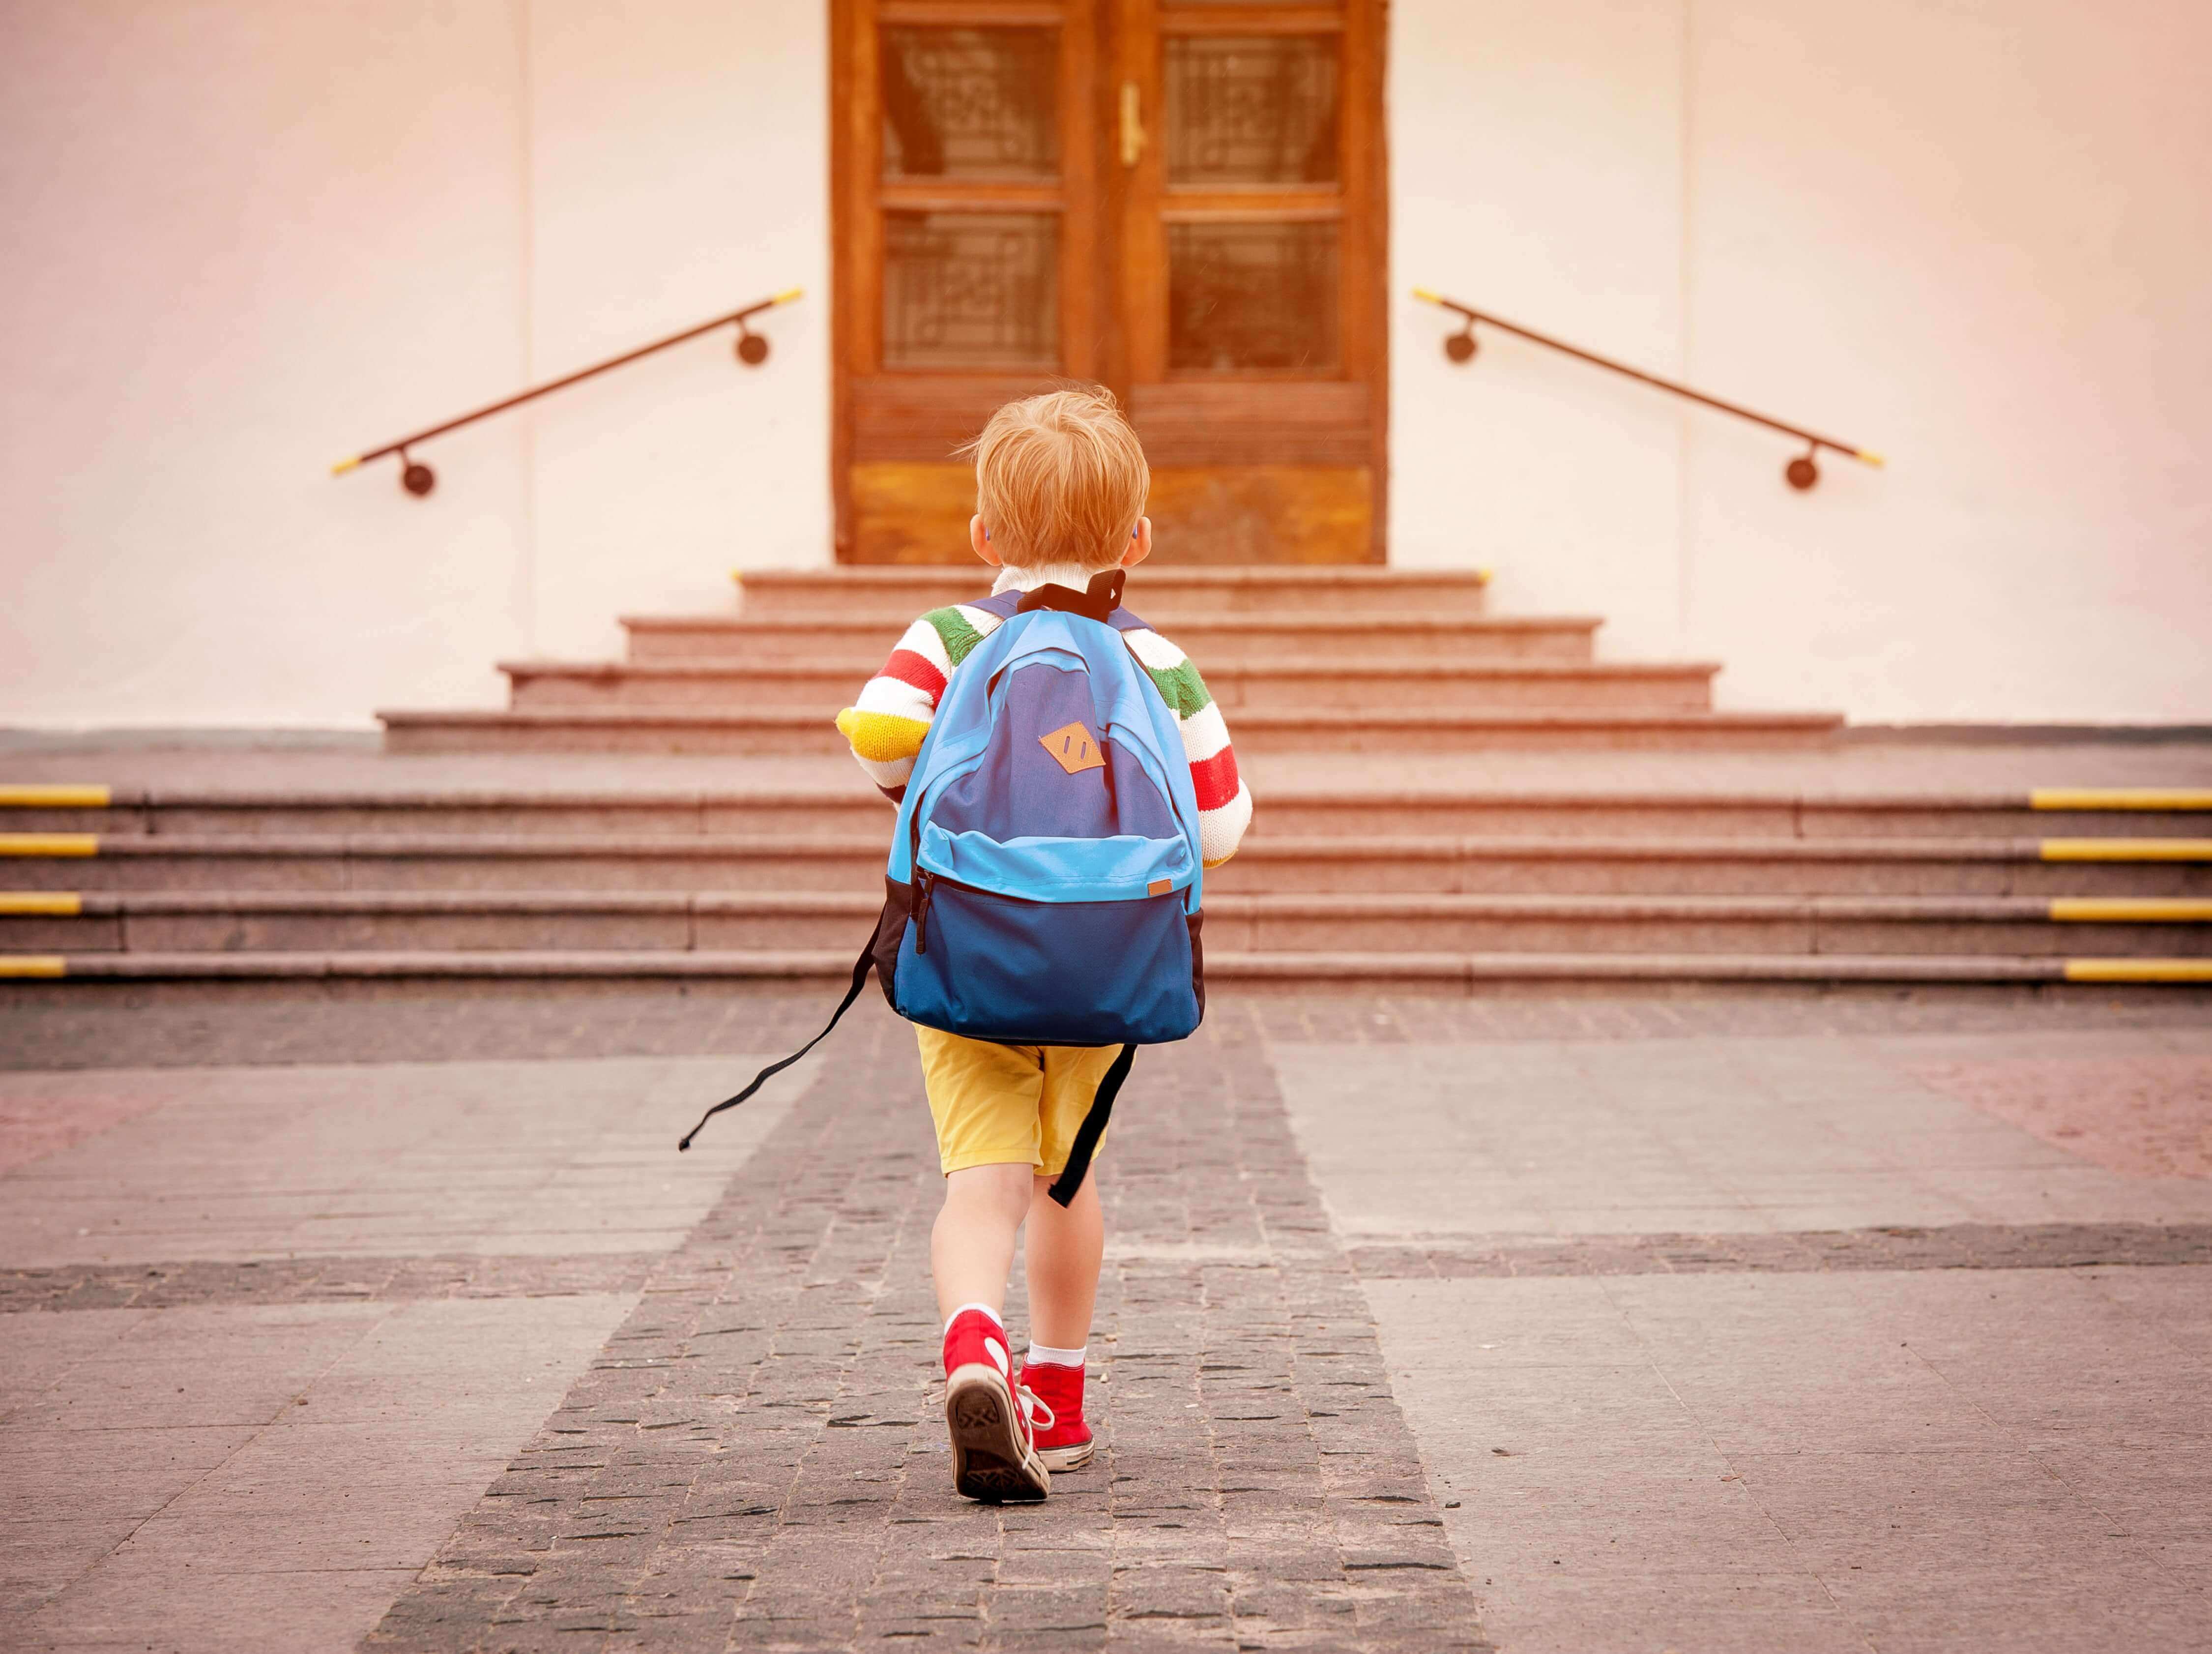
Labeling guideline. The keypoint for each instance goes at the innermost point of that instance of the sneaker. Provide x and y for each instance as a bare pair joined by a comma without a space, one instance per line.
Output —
1063,1440
995,1455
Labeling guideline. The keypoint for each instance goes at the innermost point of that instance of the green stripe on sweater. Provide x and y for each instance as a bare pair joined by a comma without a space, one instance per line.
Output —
954,632
1181,688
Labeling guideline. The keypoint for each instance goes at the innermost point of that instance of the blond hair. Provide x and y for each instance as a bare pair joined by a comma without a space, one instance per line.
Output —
1060,480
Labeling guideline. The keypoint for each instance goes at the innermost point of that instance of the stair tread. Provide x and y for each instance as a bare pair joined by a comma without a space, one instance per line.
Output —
1739,847
831,964
1743,846
1248,719
1380,619
715,667
850,788
1339,905
896,576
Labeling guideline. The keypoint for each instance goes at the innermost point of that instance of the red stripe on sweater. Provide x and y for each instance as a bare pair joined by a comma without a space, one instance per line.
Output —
915,669
1214,779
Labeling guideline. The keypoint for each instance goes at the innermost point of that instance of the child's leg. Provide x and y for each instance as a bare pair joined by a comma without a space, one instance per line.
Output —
1066,1245
983,1098
972,1248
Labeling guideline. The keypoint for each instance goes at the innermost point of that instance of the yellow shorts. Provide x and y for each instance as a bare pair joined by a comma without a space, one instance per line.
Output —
997,1105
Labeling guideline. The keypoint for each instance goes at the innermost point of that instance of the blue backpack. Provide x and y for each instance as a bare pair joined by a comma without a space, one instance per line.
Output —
1045,880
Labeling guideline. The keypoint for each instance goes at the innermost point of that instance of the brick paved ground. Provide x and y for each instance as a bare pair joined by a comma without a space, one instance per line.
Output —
1565,1323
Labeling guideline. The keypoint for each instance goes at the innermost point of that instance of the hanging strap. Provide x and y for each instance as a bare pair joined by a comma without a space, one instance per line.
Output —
860,969
1092,1128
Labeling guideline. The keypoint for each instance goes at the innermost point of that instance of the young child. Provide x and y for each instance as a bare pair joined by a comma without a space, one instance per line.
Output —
1061,483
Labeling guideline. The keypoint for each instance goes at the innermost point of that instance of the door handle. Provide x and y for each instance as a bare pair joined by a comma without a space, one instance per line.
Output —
1132,124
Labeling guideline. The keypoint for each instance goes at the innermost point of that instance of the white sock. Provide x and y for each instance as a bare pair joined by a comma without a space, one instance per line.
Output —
963,1310
1053,1358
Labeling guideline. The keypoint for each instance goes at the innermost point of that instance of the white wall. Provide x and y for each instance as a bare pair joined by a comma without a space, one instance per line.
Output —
680,169
1971,234
247,239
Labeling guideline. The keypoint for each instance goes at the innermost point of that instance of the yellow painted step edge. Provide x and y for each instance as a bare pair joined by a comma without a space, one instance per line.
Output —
45,904
2127,850
33,964
2120,797
49,843
27,796
2133,910
2139,971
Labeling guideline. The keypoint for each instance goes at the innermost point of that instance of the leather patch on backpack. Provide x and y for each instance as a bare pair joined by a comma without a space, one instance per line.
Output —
1159,887
1072,749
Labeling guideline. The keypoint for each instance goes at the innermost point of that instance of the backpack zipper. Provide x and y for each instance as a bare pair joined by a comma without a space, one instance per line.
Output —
922,881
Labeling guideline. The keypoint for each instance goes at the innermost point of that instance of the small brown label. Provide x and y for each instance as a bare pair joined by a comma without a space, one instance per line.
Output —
1159,887
1074,748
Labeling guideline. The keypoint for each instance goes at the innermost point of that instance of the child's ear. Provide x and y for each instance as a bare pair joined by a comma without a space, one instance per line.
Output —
1141,543
980,537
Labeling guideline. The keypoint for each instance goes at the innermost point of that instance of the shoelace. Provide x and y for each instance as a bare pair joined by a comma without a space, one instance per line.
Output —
1033,1404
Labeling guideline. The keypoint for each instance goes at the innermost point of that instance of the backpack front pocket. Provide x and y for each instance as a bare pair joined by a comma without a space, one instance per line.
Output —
1024,972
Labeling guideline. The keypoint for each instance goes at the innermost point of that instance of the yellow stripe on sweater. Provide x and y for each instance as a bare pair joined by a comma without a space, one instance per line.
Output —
2127,850
2120,797
49,843
2133,910
2139,971
880,737
29,796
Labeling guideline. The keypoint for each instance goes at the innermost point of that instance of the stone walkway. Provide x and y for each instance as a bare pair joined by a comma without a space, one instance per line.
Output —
1730,1322
757,1458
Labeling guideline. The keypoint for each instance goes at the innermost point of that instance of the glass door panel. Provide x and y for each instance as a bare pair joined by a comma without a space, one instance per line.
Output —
1253,295
972,103
1251,109
971,290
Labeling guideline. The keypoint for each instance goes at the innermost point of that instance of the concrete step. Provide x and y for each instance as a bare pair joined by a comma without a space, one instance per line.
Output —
1426,972
1286,864
778,730
232,922
854,806
1522,686
856,644
1274,589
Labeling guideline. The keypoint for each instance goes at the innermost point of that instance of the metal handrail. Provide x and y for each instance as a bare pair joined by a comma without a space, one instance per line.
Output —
1801,473
418,479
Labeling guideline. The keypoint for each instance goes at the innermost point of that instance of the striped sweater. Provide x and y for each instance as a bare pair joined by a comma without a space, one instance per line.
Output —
886,725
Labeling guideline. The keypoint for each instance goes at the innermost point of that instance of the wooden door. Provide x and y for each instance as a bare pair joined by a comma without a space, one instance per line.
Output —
1251,267
1181,201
